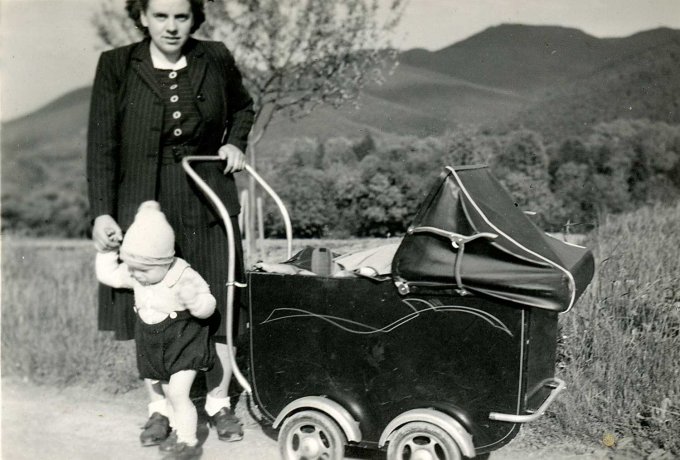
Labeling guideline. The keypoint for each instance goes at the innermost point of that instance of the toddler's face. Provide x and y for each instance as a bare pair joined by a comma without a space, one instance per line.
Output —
147,274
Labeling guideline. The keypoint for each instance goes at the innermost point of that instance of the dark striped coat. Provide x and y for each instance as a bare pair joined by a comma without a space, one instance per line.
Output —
124,142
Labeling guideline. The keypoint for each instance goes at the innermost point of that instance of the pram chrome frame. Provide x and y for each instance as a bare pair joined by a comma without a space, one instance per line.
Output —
231,260
546,390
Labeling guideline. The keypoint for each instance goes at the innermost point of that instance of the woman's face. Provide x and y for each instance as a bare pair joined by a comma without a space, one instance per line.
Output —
169,23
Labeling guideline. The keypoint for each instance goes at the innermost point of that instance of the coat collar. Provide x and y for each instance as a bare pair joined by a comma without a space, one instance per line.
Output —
175,273
196,64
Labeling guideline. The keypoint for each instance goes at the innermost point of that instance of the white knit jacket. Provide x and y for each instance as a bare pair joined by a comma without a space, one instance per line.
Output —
156,302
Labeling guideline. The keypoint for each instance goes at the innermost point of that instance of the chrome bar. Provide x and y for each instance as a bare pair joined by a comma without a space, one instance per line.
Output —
282,208
456,238
557,386
231,260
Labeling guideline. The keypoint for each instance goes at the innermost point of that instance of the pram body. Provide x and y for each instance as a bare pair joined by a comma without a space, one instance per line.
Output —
460,336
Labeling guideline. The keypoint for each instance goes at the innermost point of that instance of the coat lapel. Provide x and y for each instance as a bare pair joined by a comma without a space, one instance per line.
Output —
197,64
141,63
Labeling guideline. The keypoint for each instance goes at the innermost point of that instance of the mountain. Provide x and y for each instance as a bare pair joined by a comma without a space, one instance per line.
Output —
64,117
411,101
49,142
642,85
556,80
525,58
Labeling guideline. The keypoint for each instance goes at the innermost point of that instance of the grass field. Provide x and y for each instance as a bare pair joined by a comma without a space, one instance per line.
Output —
619,346
620,350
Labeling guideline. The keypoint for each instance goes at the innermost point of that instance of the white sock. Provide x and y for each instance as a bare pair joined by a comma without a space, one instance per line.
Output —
186,426
161,406
213,405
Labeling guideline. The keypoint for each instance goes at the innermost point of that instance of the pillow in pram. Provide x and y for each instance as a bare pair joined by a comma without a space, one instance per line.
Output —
375,263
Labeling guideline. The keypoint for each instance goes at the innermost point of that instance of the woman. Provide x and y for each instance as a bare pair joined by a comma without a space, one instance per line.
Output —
154,102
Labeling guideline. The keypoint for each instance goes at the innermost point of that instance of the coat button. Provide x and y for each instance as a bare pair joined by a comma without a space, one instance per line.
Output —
176,114
174,98
177,132
172,74
173,315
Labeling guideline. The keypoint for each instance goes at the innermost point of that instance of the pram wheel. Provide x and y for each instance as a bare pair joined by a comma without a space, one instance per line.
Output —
311,435
422,441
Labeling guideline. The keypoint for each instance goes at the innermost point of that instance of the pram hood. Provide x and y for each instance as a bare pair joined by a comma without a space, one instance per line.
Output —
469,234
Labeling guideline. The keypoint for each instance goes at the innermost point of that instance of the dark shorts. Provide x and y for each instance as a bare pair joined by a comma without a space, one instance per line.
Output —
173,345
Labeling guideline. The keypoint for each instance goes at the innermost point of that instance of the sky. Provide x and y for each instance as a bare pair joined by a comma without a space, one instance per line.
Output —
49,47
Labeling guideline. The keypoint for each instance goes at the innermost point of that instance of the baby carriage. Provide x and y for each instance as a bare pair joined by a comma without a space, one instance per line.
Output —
442,352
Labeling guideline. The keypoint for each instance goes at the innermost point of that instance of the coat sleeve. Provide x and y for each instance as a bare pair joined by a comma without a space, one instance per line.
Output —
241,114
103,139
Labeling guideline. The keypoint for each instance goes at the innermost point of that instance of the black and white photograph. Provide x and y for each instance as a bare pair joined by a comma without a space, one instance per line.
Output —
328,229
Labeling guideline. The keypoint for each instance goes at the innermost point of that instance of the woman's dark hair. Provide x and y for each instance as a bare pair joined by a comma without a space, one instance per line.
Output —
135,8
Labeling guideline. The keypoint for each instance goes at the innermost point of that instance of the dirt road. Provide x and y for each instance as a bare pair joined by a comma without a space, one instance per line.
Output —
76,423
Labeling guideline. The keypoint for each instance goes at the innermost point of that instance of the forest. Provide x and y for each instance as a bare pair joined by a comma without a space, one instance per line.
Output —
372,186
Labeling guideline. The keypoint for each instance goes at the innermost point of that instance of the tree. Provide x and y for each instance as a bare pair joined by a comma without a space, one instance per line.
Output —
468,146
307,192
294,54
639,154
522,167
381,208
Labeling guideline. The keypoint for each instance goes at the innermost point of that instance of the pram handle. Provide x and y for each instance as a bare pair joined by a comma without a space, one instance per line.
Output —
231,260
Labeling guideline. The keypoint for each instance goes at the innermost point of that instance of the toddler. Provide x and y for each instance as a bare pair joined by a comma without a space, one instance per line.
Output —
171,299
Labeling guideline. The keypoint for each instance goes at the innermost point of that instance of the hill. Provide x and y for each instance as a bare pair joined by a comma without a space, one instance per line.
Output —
556,80
36,146
645,85
524,58
64,117
412,101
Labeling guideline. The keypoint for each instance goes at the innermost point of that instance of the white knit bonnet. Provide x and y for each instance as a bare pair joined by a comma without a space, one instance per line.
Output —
150,239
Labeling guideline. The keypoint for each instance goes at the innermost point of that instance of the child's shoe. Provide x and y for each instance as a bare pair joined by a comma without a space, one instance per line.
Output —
156,430
228,426
168,445
183,451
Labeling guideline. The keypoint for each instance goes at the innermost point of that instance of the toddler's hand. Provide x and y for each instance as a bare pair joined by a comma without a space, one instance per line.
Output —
186,295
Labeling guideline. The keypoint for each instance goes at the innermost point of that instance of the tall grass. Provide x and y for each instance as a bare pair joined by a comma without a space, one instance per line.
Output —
620,350
49,324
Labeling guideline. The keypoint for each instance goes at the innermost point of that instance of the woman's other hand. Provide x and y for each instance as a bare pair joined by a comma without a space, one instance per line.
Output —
106,233
236,159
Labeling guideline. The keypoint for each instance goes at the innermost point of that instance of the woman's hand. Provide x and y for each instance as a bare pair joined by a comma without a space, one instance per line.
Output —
106,233
236,159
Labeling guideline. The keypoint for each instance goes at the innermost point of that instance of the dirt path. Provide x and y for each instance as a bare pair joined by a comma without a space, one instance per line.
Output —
75,423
